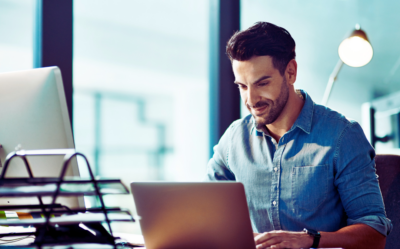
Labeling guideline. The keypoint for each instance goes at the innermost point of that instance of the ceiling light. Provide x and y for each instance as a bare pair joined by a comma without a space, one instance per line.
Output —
356,51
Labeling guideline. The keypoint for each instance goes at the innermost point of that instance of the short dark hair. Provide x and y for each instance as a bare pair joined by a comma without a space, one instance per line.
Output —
263,38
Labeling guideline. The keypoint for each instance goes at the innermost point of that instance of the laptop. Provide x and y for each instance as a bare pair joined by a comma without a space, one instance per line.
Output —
193,215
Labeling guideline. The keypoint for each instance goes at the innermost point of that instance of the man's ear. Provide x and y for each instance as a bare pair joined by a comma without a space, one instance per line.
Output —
291,72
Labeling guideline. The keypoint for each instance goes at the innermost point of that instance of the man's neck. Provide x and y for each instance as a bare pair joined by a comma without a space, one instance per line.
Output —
288,116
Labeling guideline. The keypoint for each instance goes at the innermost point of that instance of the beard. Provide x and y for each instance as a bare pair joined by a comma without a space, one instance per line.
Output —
274,107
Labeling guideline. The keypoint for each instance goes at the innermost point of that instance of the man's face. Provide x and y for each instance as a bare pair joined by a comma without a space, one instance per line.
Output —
263,89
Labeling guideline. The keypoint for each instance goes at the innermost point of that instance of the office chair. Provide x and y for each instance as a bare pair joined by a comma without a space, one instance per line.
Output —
388,170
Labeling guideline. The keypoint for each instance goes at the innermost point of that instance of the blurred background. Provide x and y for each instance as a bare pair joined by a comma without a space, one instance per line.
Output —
145,102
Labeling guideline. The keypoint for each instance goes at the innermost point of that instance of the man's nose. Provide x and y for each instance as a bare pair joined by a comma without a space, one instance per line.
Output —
252,97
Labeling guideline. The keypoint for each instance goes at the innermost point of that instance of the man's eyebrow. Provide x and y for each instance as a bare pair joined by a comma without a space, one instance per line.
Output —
261,79
255,82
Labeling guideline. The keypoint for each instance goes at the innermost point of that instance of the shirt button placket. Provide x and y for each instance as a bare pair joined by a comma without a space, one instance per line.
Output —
275,190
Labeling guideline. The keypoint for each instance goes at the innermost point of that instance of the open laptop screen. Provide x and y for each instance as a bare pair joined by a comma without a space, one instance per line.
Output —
193,215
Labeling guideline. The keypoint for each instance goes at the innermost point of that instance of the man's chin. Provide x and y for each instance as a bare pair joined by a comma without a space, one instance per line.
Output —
260,122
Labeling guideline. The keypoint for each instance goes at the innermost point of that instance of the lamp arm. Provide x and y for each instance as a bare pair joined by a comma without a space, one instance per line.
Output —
331,80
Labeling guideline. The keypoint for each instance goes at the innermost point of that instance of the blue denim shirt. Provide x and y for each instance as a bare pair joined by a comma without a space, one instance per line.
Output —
320,175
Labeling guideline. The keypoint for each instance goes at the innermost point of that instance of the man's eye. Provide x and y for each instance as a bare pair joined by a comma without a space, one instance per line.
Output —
242,86
263,84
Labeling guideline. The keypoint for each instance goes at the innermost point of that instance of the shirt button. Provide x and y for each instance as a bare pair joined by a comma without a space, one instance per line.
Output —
275,169
274,203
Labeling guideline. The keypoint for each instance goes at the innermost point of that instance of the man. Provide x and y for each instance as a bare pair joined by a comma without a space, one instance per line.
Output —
302,164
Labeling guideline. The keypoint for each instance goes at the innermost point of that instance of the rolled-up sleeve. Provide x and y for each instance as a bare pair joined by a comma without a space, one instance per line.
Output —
356,180
379,223
217,168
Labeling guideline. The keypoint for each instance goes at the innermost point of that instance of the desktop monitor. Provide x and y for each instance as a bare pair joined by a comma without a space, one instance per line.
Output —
34,115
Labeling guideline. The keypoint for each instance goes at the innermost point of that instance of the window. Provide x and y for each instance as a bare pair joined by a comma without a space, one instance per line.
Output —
141,90
318,31
16,29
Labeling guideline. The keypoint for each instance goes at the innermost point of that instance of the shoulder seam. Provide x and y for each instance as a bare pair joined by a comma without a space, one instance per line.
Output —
339,117
336,154
231,129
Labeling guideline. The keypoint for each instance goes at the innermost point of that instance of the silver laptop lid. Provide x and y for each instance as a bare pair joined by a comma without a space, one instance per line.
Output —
193,215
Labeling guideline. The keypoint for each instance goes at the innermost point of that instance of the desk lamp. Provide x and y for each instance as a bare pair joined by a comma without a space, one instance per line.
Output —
354,51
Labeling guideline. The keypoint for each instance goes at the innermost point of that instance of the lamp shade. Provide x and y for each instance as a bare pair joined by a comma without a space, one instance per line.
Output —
356,51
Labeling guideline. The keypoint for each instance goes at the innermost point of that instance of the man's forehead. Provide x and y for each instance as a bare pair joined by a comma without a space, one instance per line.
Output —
255,67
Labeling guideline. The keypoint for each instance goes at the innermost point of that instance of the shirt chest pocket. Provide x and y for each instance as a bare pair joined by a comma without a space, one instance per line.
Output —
309,186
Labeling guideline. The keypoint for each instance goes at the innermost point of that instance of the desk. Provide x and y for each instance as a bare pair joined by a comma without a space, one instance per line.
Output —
136,239
132,239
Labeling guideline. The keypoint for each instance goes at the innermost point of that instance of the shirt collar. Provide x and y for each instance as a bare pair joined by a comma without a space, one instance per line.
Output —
303,121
